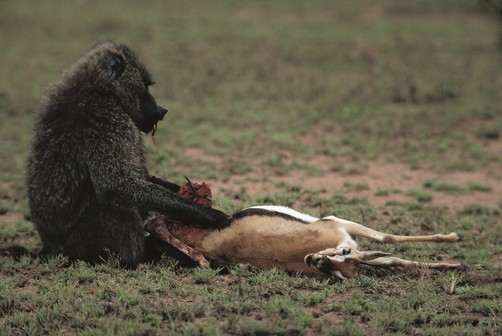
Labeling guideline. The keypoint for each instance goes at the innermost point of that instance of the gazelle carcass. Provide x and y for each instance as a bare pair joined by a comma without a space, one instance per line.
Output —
275,236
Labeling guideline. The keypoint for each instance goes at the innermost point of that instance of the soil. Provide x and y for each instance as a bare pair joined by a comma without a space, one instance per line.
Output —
380,175
376,176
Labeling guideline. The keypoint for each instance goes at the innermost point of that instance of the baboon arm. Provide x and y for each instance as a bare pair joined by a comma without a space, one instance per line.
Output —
166,184
116,180
146,195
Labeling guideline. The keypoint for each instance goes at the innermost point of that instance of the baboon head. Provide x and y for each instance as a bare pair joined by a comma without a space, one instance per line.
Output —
115,71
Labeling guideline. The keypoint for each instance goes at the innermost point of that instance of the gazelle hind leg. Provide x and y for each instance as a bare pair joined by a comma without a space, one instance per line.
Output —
393,261
363,231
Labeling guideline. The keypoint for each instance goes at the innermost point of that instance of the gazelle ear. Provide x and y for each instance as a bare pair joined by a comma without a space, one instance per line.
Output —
370,255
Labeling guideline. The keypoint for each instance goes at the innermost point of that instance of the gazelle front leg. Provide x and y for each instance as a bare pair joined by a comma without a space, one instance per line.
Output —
393,261
360,230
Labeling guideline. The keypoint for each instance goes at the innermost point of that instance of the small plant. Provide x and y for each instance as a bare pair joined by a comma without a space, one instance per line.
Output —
354,306
420,195
454,188
387,192
413,205
316,297
205,275
476,209
469,292
487,307
476,186
441,186
85,273
450,285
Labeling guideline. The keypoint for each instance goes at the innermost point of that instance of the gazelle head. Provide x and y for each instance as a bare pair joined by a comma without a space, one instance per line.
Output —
342,261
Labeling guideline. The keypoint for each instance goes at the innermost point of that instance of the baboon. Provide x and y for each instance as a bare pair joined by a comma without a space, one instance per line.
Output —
88,186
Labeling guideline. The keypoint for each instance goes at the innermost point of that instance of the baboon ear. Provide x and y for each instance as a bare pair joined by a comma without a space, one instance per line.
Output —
116,66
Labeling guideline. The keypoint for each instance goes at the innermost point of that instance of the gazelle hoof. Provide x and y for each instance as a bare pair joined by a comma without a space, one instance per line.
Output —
460,236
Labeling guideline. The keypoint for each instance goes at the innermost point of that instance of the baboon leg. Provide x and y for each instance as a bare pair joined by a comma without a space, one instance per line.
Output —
393,261
360,230
106,231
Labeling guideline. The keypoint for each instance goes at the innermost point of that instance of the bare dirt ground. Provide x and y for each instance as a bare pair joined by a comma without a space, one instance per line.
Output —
374,176
10,218
380,175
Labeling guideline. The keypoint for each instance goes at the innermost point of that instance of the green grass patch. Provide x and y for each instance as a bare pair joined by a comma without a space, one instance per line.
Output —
387,192
447,187
420,195
260,90
54,295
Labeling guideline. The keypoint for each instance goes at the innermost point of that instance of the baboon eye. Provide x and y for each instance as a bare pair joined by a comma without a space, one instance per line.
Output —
345,251
116,67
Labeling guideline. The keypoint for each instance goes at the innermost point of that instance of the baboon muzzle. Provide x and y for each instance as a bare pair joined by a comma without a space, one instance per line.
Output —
161,112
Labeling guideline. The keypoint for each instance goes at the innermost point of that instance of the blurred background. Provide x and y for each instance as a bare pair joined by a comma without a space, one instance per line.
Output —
264,88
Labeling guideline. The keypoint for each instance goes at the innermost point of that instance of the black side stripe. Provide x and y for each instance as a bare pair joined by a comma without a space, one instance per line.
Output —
264,213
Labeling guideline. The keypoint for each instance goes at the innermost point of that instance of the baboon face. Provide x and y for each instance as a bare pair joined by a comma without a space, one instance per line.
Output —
150,113
128,81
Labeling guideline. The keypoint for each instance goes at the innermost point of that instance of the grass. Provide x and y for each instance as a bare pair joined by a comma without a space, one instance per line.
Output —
420,195
446,187
257,91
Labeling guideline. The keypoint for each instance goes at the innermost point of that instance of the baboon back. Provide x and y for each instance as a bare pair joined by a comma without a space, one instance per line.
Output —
88,186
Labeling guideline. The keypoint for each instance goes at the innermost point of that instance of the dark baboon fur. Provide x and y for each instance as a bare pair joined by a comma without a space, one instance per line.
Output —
88,186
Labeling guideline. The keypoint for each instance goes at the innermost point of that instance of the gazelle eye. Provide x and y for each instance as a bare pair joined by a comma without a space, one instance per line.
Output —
345,251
